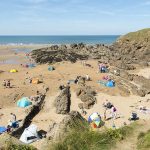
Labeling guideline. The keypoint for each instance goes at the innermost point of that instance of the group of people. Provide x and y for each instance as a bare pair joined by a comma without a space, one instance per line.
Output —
12,123
113,111
6,84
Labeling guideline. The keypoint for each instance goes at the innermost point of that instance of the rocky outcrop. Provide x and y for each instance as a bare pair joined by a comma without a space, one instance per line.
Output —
133,47
71,53
87,96
62,102
57,131
31,112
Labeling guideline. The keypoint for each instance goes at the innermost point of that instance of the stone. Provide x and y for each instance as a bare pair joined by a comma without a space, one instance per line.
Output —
80,105
58,131
88,104
62,102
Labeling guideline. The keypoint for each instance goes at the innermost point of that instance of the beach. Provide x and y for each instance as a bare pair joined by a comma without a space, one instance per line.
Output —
63,72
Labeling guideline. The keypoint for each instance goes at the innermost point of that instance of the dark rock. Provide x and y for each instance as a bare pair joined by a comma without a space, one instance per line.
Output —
62,102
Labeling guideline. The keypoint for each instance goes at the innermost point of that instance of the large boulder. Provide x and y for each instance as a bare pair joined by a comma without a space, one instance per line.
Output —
57,131
62,102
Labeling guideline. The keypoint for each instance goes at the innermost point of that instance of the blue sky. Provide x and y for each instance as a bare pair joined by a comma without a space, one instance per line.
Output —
73,17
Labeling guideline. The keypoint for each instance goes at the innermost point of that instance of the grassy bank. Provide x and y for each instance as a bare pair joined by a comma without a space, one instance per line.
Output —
13,146
92,140
144,141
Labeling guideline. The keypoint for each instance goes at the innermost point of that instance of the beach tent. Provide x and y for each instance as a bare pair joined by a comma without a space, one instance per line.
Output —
13,70
30,134
51,68
110,84
35,81
23,102
31,65
95,120
2,129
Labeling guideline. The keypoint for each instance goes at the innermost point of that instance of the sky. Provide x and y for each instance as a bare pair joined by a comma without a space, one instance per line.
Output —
73,17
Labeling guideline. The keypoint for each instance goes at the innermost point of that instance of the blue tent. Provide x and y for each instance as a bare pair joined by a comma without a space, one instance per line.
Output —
2,129
51,68
31,65
110,84
23,102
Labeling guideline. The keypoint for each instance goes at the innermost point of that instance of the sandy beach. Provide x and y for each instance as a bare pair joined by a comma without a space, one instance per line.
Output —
63,72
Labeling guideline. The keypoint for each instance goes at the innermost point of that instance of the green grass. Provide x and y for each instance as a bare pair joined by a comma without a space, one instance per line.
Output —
138,36
92,140
144,141
12,146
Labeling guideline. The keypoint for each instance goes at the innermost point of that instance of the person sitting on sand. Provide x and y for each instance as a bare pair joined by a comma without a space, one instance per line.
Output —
113,112
8,84
87,78
13,117
4,83
107,104
133,116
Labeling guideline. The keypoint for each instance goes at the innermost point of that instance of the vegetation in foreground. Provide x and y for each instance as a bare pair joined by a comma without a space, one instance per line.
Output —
92,140
13,146
144,141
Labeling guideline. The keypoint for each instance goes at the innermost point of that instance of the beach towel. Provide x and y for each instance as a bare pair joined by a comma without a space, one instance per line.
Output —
2,129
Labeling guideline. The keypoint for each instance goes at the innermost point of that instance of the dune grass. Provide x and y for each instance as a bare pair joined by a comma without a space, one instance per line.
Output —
13,146
92,140
144,141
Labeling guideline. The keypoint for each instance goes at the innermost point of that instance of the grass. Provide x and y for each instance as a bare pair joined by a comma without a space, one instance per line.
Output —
138,36
12,146
92,140
144,141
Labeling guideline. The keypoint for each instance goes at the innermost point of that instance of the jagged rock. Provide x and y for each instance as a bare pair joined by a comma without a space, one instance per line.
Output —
80,105
31,112
62,102
87,97
59,131
81,81
88,104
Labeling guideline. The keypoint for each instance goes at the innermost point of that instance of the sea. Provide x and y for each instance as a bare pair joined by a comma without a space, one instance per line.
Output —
55,39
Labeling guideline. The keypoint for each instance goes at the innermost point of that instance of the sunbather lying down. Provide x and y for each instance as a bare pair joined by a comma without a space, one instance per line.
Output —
144,109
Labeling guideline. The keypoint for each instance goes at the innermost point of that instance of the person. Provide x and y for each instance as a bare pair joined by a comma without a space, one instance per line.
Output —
107,104
133,116
37,93
87,77
8,84
4,83
113,112
30,80
13,117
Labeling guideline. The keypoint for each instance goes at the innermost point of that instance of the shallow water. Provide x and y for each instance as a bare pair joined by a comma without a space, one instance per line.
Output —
9,61
24,50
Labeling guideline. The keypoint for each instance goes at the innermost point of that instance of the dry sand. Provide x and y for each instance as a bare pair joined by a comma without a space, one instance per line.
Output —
64,71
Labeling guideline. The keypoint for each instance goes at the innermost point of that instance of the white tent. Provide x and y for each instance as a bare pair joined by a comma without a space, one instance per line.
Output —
30,134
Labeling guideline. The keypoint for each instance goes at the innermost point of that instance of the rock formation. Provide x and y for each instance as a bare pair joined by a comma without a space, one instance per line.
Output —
59,131
62,102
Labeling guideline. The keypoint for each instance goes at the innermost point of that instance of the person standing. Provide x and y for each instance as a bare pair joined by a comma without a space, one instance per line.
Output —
13,117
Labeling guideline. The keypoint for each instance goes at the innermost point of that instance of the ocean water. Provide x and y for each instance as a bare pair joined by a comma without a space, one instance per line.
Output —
91,39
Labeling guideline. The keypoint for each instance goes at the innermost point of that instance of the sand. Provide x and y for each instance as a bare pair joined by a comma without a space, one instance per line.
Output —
65,71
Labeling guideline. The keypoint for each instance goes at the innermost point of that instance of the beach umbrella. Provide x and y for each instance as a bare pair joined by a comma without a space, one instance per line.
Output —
94,119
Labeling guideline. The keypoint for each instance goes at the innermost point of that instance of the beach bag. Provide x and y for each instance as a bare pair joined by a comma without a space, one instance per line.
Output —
114,109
